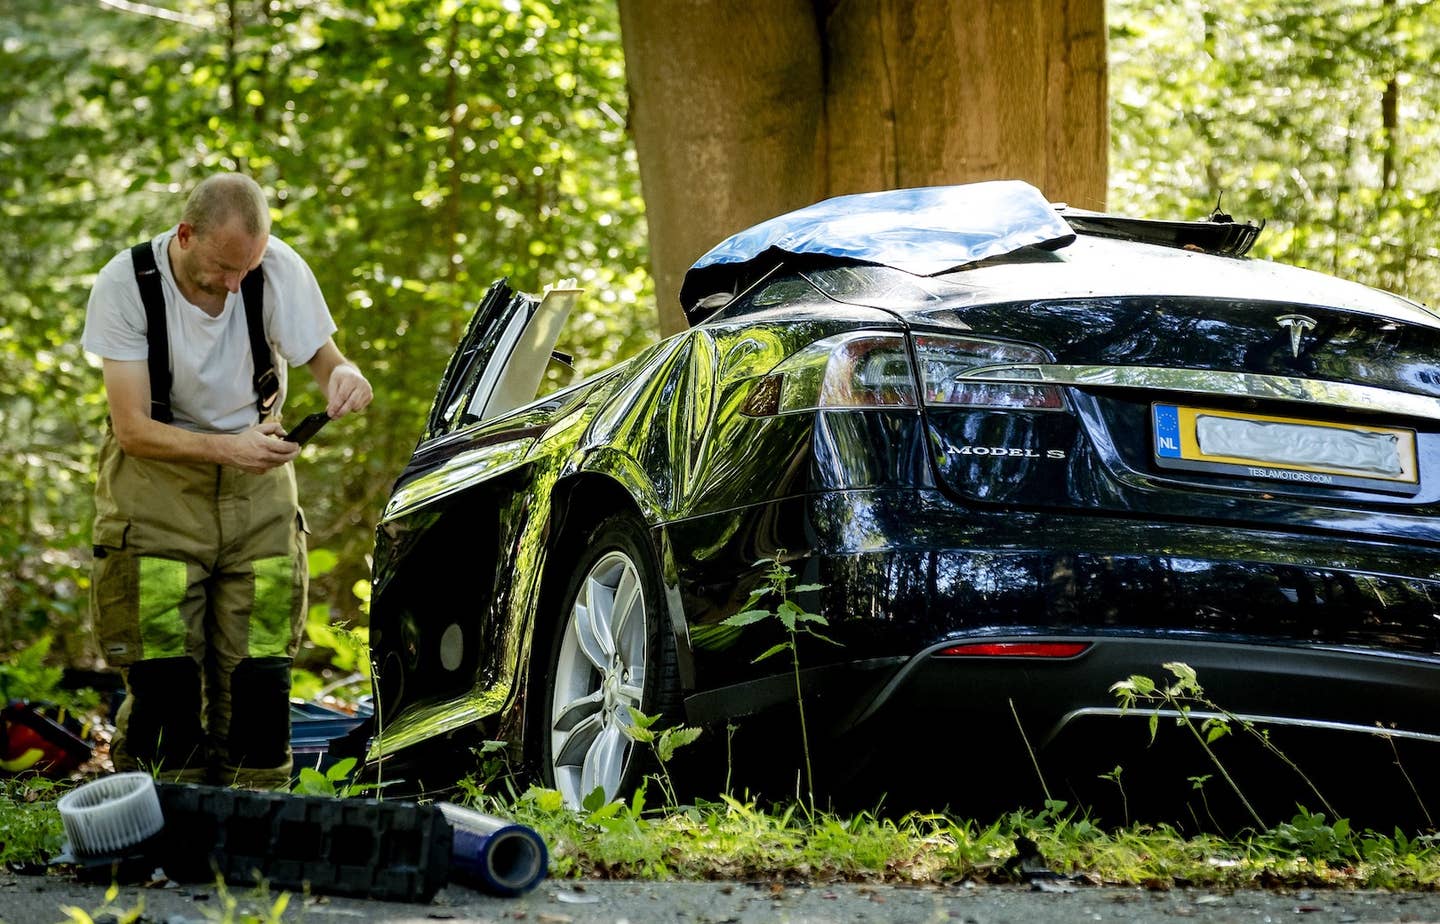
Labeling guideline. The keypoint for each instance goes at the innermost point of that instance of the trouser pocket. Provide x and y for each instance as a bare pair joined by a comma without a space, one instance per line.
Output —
115,594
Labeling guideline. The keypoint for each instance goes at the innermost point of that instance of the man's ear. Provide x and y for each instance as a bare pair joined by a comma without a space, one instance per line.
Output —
185,233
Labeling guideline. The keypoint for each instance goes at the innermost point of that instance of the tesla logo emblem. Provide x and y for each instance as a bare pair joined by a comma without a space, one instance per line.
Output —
1297,325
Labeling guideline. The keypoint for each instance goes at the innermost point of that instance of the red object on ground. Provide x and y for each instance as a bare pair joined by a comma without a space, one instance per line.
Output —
33,742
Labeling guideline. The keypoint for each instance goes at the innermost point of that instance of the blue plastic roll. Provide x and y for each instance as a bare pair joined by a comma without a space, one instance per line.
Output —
494,855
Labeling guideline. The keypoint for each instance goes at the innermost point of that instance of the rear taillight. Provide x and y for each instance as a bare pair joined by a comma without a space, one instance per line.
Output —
862,369
946,364
1015,650
872,369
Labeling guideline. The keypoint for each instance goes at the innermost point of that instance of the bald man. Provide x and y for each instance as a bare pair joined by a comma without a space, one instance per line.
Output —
199,579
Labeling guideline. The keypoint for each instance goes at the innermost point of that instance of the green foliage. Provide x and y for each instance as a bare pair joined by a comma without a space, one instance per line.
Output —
30,829
731,838
1309,835
334,782
28,674
1114,776
344,648
1320,117
776,584
736,839
663,743
107,912
1179,699
348,648
796,621
494,769
494,782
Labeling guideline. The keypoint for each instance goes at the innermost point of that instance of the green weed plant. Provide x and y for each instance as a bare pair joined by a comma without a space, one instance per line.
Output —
30,829
1207,722
27,674
336,782
109,912
777,589
664,743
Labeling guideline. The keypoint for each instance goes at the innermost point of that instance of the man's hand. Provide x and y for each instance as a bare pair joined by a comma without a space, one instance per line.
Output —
344,386
349,391
127,388
260,448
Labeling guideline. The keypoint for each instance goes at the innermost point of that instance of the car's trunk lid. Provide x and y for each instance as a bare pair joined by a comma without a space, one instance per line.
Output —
1251,350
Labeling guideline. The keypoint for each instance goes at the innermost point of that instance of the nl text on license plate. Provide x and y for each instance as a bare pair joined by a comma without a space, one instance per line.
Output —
1286,449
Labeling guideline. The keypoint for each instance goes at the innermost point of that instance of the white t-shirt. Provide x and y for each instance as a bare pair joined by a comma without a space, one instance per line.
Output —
211,371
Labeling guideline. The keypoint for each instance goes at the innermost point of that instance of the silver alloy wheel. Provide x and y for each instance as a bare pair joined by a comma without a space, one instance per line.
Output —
599,676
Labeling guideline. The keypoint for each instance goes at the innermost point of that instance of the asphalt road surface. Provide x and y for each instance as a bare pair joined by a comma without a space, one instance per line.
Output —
42,900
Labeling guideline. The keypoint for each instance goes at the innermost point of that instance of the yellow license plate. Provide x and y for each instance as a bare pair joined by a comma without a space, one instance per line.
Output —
1287,449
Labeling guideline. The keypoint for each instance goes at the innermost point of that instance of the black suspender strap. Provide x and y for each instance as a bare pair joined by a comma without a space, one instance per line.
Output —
157,335
267,384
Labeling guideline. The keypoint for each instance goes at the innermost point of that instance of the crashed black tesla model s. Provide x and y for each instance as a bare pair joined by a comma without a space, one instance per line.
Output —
1027,452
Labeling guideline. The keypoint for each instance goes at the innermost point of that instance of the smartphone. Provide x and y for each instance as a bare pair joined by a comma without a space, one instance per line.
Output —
307,428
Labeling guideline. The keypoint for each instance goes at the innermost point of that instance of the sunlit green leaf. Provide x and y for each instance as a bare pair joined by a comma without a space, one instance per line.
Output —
340,769
594,800
675,738
772,650
746,618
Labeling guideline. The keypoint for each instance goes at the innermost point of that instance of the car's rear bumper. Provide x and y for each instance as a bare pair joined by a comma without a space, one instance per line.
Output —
1048,699
1324,640
1353,732
1341,690
1361,727
904,570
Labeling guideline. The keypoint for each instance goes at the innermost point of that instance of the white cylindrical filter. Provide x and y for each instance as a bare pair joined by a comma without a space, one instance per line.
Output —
108,815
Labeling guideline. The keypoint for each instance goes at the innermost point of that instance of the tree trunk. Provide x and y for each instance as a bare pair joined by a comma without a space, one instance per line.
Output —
726,107
741,111
1390,116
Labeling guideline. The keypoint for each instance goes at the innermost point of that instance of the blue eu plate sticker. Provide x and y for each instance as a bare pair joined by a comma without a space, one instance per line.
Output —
1167,431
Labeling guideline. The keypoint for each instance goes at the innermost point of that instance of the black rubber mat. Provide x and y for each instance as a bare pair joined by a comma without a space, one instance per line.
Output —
398,851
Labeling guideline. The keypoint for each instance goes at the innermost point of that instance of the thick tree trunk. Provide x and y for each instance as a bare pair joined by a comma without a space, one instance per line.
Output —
742,110
726,108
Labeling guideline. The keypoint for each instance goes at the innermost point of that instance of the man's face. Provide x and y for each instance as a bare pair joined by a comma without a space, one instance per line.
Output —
214,262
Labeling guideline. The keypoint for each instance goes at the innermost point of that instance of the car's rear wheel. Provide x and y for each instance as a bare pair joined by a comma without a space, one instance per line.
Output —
613,651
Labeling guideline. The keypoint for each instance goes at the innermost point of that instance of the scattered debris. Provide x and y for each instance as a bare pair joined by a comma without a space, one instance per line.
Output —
576,898
122,827
41,738
493,854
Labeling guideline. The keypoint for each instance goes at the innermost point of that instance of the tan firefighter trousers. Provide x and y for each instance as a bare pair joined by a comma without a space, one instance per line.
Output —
198,595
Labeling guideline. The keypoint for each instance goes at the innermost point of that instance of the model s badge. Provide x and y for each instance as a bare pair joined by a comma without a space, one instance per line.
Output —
1007,452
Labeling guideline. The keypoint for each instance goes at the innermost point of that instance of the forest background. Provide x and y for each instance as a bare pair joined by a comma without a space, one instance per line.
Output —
417,149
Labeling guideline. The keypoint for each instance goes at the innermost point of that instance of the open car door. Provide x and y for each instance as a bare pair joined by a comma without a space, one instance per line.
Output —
501,360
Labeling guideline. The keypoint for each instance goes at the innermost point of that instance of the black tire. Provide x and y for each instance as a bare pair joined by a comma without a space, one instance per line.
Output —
559,663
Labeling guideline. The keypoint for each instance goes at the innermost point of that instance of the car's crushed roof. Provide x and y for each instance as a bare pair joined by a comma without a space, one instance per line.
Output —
922,231
1097,267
